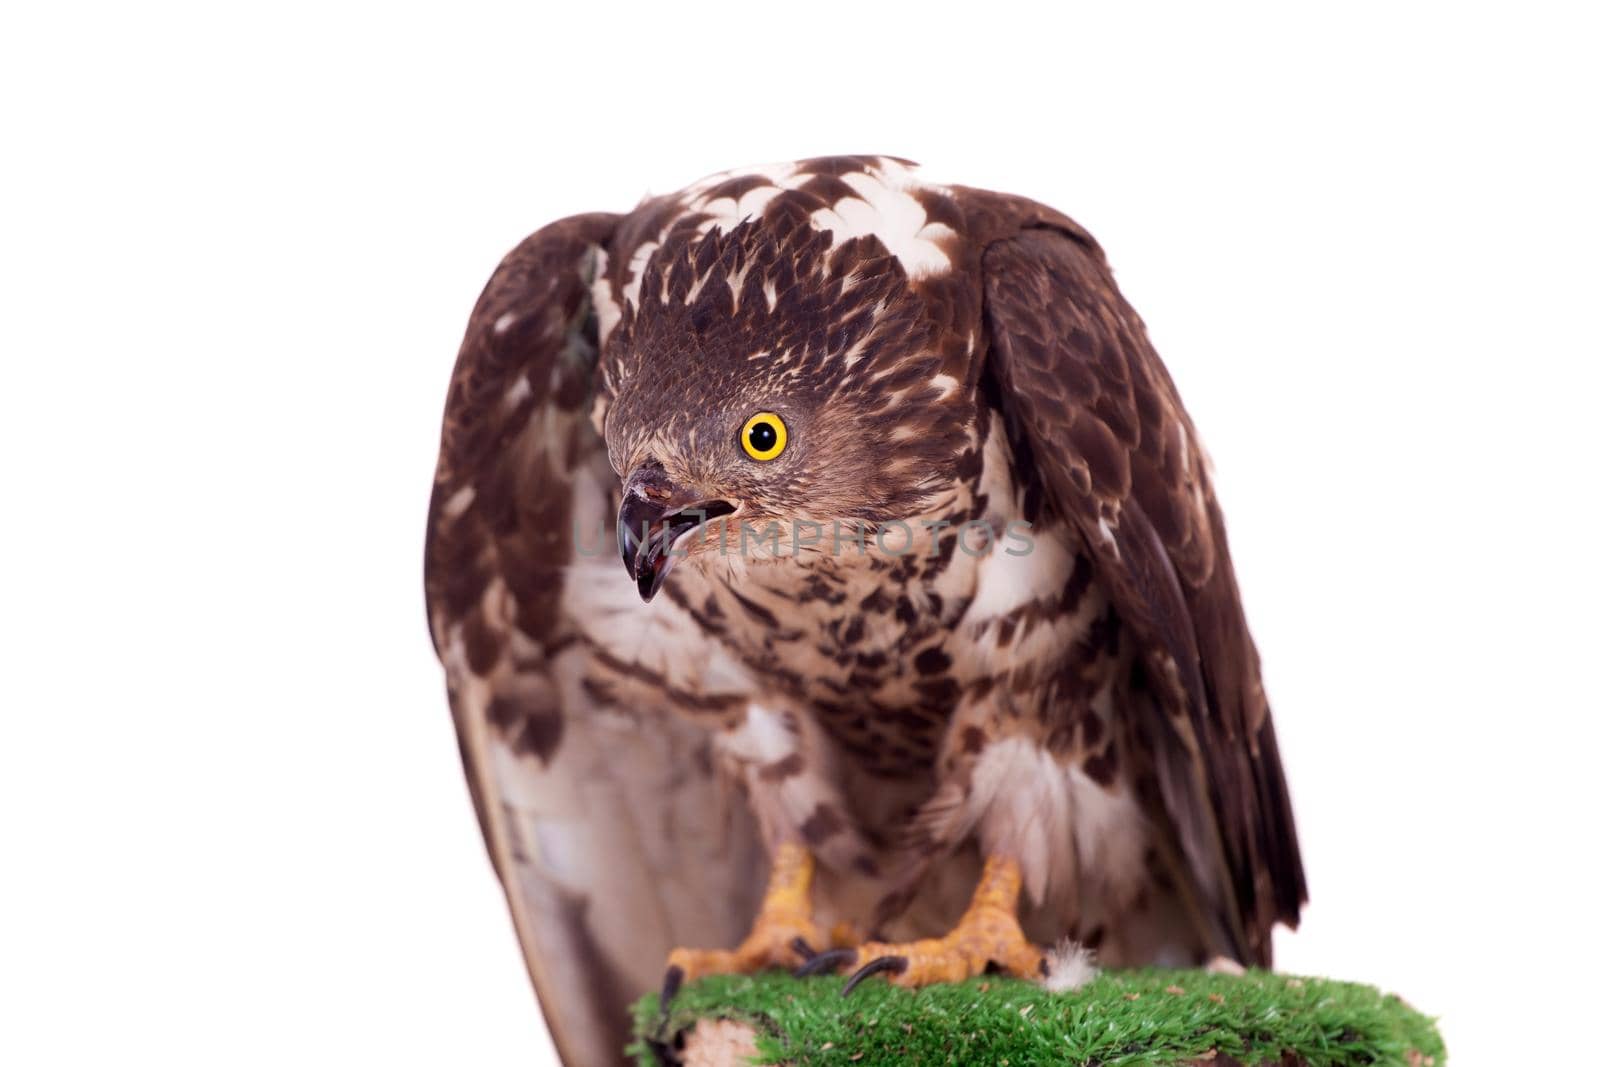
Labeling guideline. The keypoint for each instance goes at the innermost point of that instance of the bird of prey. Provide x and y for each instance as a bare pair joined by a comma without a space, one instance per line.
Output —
924,650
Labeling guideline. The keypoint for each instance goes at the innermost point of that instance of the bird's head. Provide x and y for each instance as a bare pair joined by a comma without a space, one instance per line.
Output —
763,381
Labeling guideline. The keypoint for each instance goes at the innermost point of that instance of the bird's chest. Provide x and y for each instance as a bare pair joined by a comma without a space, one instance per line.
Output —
871,643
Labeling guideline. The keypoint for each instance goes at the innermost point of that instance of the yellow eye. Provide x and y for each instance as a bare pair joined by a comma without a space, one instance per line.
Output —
764,436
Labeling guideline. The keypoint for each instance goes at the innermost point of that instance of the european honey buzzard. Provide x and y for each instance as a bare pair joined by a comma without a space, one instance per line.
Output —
924,627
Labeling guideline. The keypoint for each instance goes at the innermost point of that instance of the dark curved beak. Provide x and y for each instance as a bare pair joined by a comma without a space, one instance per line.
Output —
654,516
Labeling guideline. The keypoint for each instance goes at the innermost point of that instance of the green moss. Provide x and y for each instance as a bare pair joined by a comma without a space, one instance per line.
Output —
1121,1018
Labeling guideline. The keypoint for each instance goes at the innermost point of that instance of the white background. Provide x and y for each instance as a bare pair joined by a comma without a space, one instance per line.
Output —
239,248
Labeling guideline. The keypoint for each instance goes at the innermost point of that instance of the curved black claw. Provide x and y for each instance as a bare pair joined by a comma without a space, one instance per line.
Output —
892,964
665,1055
803,949
670,984
825,962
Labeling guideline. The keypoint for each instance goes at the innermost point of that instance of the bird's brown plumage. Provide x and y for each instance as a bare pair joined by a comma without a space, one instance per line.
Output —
942,355
1114,448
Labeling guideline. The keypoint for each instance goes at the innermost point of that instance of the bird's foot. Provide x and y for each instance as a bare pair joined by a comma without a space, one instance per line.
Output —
784,933
984,936
987,934
776,940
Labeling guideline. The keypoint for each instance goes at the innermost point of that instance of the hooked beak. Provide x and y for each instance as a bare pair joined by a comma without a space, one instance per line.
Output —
655,514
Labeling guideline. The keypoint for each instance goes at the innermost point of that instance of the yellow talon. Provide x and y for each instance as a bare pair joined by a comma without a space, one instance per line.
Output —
988,932
785,916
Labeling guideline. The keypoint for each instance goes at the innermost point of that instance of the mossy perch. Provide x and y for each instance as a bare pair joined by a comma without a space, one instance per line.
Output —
1120,1019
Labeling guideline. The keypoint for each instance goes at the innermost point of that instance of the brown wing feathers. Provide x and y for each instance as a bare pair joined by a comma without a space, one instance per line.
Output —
523,325
608,839
1118,455
480,535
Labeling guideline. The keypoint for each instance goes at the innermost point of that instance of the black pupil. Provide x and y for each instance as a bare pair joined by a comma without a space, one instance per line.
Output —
763,437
